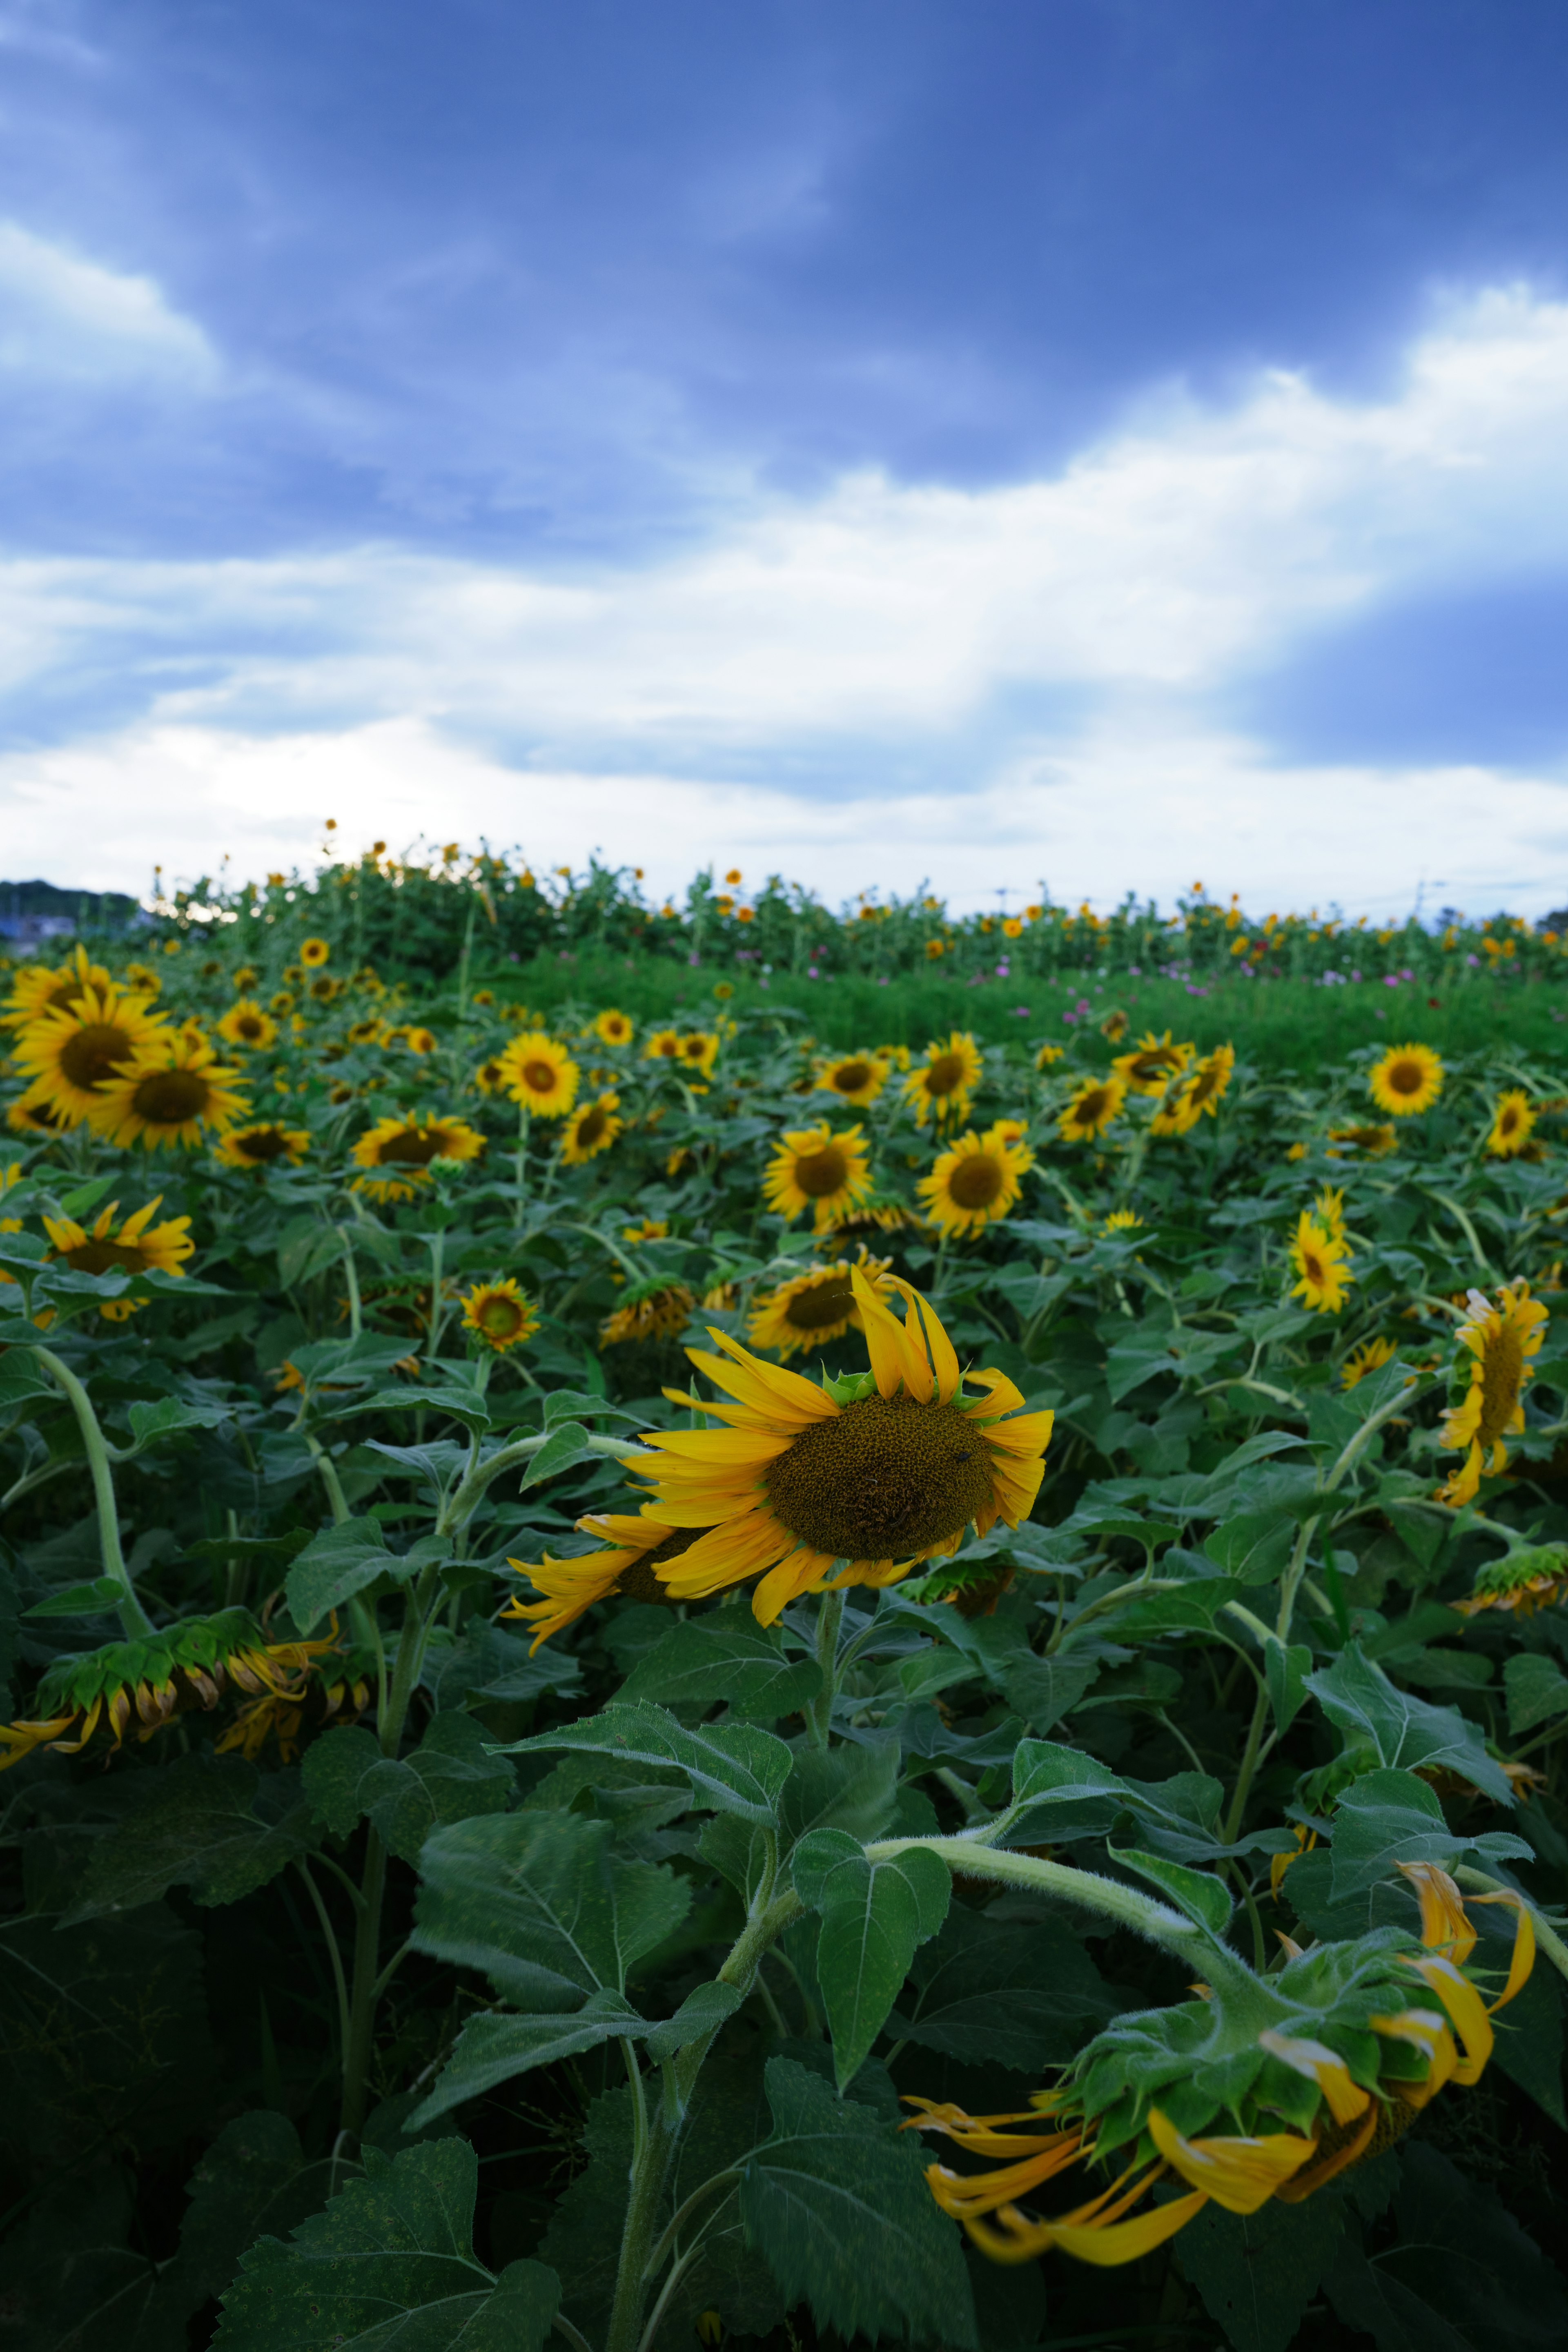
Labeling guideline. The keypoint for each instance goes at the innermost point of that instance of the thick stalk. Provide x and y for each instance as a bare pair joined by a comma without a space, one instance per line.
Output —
351,1273
336,1500
1248,1764
829,1618
133,1619
1128,1905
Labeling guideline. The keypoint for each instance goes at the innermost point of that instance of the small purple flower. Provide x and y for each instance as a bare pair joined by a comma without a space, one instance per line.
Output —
1355,975
1472,961
1390,980
811,972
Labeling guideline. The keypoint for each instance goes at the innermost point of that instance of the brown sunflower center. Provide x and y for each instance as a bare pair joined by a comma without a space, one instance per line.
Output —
823,1304
1405,1077
818,1173
540,1078
1153,1065
849,1078
945,1074
590,1127
105,1257
976,1182
1508,1121
1314,1269
670,1047
170,1097
410,1148
1502,1377
262,1143
90,1057
884,1478
1091,1108
252,1027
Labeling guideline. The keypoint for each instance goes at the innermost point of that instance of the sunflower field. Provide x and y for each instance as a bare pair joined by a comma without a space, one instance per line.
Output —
673,1686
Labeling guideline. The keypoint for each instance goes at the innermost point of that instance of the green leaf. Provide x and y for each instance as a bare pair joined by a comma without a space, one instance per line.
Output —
253,2177
725,1657
562,1450
194,1822
99,1598
838,2205
334,1566
458,1401
1015,1992
541,1903
874,1914
331,1773
22,1378
850,1789
451,1776
1202,1898
736,1769
1536,1691
492,2050
1254,1547
1385,1818
164,1416
701,2012
390,2262
1041,1690
1285,1671
1400,1730
1256,2272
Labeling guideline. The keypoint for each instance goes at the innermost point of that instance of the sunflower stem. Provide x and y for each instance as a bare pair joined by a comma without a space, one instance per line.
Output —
829,1618
522,1163
133,1619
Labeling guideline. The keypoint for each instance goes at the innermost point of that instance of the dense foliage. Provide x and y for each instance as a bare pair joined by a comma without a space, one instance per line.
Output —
434,1919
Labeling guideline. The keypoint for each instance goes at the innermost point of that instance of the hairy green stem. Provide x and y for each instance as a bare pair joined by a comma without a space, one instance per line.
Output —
1128,1905
830,1616
350,1275
134,1621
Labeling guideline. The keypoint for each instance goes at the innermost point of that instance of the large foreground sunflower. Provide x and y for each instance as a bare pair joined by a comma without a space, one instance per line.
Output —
73,1050
1408,1078
540,1074
259,1147
976,1180
941,1086
1498,1340
813,1307
814,1169
405,1144
855,1078
635,1548
591,1130
848,1483
138,1247
171,1093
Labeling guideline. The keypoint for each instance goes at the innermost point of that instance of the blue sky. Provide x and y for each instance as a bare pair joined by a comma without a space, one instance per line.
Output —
1073,439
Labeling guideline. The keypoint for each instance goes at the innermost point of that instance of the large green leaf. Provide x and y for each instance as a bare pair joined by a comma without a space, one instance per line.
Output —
208,1822
1460,2276
1015,1993
726,1658
1392,1727
450,1777
334,1566
390,2263
492,2050
850,1789
1385,1818
874,1914
1257,2271
1536,1691
736,1769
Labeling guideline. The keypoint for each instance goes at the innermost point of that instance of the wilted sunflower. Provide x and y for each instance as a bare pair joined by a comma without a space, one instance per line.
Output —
941,1086
1095,1102
591,1130
170,1095
1498,1340
1520,1582
857,1078
541,1075
976,1180
1511,1123
813,1307
405,1144
659,1309
1370,1357
635,1549
613,1028
257,1146
1346,2064
313,954
1370,1142
1321,1267
40,988
244,1023
875,1472
1151,1065
138,1247
500,1315
814,1169
1408,1078
71,1051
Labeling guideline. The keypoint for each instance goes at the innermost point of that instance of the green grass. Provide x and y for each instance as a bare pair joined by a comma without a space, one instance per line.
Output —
1279,1023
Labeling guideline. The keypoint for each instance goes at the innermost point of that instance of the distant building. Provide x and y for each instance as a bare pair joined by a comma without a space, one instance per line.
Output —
32,913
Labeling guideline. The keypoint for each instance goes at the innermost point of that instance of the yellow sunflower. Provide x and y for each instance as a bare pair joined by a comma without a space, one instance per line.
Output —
1368,1142
857,1078
1498,1339
1122,1221
591,1130
313,954
1114,1025
405,1144
941,1086
40,988
1095,1102
814,1169
25,1117
699,1051
1151,1065
813,1307
1328,1209
1048,1054
1321,1267
662,1045
71,1051
500,1315
636,1546
1202,1091
137,1246
613,1028
257,1146
244,1023
171,1092
242,980
541,1075
490,1077
975,1181
659,1309
800,1482
1408,1078
1511,1123
419,1041
1370,1357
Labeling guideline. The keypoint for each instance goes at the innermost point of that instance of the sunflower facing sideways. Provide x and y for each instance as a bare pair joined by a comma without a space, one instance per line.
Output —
138,1247
814,1169
1488,1405
1407,1079
541,1075
635,1546
941,1086
246,1024
591,1130
814,1488
976,1180
812,1308
1093,1106
171,1094
1153,1063
403,1144
1322,1265
73,1050
855,1078
262,1146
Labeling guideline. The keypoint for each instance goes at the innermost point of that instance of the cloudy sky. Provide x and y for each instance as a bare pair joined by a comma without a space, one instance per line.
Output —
1100,442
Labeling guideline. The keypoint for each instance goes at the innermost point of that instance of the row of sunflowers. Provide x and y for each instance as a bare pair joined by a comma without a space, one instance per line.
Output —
614,1629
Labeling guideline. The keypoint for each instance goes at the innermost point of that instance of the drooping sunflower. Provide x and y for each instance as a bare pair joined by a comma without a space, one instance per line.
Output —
1366,1143
976,1180
613,1027
1321,1267
313,954
857,1078
591,1130
941,1086
1370,1357
405,1144
541,1075
138,1247
500,1315
40,988
852,1483
1153,1064
1512,1122
814,1169
71,1051
173,1093
813,1307
259,1147
246,1024
1520,1582
1408,1078
1095,1102
658,1309
1498,1340
662,1045
634,1548
1345,2066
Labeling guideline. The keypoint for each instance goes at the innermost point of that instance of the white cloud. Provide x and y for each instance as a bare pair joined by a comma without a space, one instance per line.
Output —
62,314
